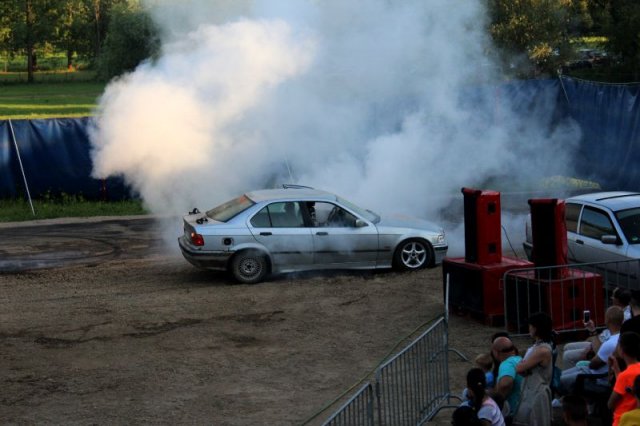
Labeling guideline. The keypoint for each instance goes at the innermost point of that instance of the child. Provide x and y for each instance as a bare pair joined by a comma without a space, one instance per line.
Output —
631,418
485,407
485,362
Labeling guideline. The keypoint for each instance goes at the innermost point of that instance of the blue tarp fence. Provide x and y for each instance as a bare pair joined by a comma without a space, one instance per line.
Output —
55,157
55,153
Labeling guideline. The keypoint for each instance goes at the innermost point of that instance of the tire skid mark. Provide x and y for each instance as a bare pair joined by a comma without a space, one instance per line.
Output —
151,329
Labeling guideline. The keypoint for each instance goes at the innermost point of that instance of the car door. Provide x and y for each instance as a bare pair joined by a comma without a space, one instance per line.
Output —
342,239
280,228
587,245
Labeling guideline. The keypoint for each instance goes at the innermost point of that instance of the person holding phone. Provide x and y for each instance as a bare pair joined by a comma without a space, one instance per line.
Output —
574,352
614,316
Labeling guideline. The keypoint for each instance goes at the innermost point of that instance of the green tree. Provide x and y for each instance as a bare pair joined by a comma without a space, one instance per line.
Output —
131,38
73,30
28,25
535,29
624,33
98,15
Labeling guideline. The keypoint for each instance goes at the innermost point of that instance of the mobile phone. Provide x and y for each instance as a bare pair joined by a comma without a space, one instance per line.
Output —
586,316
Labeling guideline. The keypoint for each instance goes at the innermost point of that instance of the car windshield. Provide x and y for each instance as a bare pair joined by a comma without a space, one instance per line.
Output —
367,214
629,221
230,209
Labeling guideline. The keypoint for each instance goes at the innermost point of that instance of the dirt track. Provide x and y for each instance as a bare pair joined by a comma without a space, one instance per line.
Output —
126,331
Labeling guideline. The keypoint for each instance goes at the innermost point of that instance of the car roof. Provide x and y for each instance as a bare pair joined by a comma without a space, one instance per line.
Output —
290,194
614,200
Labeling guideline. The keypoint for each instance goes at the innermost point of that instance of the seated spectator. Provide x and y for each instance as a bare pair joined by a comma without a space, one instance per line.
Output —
574,410
622,399
508,382
485,407
598,364
537,368
632,418
574,352
485,363
579,351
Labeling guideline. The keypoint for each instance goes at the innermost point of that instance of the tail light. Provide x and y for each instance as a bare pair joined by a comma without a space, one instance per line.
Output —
197,239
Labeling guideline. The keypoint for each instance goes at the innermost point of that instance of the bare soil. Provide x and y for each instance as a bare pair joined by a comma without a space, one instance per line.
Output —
101,324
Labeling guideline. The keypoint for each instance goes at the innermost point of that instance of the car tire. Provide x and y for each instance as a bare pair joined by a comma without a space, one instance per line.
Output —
249,267
413,254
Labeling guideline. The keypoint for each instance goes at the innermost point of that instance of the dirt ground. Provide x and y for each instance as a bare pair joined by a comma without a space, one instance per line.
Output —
102,324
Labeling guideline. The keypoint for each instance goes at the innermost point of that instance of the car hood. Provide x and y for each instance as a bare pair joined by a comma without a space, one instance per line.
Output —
398,220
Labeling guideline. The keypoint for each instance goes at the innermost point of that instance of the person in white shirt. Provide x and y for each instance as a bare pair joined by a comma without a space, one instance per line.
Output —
614,318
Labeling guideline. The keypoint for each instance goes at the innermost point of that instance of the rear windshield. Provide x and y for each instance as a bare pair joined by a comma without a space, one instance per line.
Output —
629,221
230,209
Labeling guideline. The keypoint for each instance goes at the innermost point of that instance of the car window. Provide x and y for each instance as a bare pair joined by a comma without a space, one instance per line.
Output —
230,209
572,213
629,221
595,223
279,215
331,215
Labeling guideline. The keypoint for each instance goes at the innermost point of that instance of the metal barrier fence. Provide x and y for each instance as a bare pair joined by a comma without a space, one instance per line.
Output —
410,388
413,385
565,292
357,411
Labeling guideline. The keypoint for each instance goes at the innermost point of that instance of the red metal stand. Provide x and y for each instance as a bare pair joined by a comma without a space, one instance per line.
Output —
475,281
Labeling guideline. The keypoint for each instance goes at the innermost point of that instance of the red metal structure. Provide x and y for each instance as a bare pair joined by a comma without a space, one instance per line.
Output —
475,281
563,292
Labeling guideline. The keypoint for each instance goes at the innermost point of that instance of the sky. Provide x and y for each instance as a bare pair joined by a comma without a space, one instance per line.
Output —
395,105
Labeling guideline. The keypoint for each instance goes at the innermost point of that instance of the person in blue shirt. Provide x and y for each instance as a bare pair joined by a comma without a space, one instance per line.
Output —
509,382
485,362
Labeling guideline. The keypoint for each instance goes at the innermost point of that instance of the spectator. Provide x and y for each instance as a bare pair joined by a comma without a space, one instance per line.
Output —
633,324
598,364
579,351
622,398
537,367
496,363
622,297
632,418
508,382
485,363
486,408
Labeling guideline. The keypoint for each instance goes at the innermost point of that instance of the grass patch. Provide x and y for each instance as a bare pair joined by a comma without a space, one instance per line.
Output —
19,210
49,100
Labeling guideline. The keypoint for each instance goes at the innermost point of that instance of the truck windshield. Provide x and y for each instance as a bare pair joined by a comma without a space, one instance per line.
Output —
629,221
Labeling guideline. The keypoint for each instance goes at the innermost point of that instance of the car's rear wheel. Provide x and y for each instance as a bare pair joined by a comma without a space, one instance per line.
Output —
412,254
249,267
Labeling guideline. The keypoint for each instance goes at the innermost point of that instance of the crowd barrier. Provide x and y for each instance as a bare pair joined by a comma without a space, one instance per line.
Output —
565,293
410,388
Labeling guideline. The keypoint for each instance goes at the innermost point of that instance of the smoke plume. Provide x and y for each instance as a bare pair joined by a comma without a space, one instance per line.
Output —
391,104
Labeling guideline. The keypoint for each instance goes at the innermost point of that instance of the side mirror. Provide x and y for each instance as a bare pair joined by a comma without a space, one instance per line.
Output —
361,223
609,239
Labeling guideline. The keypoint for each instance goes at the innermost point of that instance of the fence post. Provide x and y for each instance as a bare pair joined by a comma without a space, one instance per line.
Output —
24,177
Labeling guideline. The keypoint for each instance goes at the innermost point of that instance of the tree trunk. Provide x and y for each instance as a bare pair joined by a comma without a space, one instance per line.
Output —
70,59
29,41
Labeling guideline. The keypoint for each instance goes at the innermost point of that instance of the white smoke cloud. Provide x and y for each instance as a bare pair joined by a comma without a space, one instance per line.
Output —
370,99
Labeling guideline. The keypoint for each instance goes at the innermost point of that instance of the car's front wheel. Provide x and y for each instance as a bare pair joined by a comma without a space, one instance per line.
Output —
249,267
412,254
